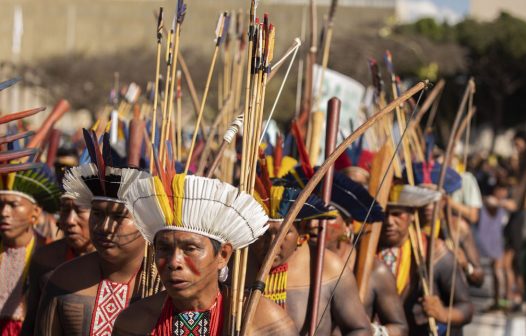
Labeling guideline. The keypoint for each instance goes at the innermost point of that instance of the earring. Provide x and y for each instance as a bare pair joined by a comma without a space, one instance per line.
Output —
302,239
223,274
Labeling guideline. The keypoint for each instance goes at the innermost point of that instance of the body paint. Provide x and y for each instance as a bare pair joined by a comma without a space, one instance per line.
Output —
191,265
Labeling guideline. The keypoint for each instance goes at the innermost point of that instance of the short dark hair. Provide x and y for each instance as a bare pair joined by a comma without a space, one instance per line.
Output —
216,245
520,134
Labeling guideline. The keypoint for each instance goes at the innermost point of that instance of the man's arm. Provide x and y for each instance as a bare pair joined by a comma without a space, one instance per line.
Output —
473,270
462,309
347,310
471,214
387,303
272,320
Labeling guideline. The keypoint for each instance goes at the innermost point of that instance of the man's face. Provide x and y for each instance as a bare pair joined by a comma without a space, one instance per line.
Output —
396,226
287,248
74,222
336,228
17,215
187,262
113,231
426,213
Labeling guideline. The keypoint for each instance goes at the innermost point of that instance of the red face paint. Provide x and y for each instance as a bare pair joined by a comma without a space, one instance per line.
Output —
191,265
161,264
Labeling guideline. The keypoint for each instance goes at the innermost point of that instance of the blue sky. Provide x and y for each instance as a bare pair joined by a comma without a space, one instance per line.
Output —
450,10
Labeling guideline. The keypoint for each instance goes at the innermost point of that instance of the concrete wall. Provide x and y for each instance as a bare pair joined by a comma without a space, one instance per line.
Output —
56,27
488,10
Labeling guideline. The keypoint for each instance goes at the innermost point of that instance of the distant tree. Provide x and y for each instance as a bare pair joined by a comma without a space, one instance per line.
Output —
496,57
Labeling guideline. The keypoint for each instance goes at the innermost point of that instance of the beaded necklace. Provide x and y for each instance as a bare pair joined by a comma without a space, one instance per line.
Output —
190,323
276,285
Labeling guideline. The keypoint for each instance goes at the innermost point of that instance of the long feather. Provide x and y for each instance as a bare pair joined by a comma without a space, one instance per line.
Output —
181,11
312,208
304,156
81,183
99,161
262,191
351,198
354,199
90,147
264,172
106,149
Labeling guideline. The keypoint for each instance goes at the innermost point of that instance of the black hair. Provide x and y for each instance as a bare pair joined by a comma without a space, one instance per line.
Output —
216,245
520,134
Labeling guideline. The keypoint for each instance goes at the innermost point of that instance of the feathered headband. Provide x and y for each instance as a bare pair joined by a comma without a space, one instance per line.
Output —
100,179
196,204
86,183
429,173
37,185
278,200
278,161
349,197
412,197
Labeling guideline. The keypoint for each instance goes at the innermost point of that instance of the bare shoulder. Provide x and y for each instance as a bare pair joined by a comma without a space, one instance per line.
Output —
140,317
77,274
333,266
271,319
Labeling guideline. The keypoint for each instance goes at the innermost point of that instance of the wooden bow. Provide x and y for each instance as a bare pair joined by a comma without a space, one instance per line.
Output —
470,89
309,187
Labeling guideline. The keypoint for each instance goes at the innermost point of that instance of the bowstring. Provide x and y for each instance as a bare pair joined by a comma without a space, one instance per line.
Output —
360,232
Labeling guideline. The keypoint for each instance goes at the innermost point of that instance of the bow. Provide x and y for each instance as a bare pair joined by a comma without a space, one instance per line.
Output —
309,187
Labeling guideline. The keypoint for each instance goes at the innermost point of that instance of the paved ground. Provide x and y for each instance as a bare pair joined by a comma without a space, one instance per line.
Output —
493,323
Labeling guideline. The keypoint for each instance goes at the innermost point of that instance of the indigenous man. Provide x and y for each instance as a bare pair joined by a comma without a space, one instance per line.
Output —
23,195
194,225
73,222
465,204
296,263
85,295
395,250
382,302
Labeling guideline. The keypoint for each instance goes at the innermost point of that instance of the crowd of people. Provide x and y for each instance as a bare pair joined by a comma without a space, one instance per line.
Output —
132,233
134,255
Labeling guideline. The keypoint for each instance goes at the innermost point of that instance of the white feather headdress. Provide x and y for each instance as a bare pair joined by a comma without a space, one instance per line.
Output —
199,205
412,197
84,183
